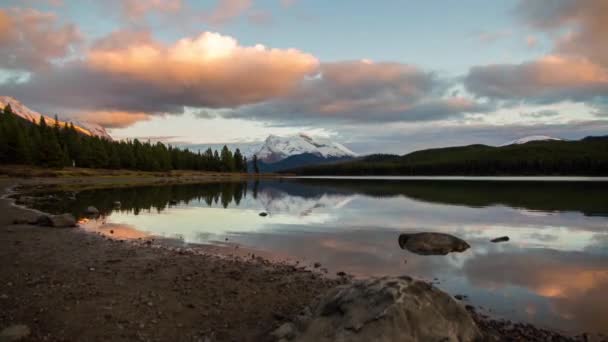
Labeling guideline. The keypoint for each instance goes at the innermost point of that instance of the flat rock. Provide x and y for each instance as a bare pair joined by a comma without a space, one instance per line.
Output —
386,309
500,239
432,243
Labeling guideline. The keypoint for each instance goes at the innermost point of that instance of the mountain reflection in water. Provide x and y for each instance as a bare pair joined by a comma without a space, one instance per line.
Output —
552,272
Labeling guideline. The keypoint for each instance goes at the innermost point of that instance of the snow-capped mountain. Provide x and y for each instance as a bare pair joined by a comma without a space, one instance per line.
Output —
530,138
21,110
277,148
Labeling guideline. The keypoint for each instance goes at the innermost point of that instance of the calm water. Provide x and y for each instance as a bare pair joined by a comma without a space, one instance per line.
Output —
553,272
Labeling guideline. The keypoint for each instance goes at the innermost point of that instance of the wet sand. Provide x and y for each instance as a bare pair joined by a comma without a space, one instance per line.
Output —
70,285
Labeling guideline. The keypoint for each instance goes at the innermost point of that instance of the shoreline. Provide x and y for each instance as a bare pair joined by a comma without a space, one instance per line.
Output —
72,284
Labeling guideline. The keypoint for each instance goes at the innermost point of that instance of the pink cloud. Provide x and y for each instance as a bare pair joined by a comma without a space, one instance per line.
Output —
577,68
112,119
209,65
30,39
226,10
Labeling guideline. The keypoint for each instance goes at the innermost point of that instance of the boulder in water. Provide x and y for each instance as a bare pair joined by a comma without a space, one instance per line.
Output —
385,309
92,211
432,243
500,239
263,214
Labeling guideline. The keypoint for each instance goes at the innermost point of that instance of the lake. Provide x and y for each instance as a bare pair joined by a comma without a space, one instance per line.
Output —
553,272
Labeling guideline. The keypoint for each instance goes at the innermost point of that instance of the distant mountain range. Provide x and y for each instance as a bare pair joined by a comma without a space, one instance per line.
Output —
536,155
282,153
24,112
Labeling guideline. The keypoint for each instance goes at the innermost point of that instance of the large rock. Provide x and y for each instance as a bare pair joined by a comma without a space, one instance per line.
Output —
57,221
385,309
92,211
432,243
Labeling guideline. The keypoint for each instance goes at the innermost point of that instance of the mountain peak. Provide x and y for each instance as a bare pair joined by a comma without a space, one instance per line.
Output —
24,112
529,139
277,148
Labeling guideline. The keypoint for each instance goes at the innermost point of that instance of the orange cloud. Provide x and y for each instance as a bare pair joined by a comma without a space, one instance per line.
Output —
30,39
577,69
210,66
113,119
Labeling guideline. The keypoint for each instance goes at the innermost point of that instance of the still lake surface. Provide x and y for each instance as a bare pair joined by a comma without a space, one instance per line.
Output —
553,272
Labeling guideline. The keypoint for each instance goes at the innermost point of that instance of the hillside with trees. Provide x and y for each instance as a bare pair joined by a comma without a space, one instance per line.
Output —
22,142
588,156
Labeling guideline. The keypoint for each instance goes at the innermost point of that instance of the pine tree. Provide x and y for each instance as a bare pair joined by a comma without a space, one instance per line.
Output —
256,169
238,161
227,160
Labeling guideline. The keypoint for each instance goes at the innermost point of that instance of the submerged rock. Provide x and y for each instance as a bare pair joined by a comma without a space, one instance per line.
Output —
432,243
57,221
500,239
385,309
263,214
92,211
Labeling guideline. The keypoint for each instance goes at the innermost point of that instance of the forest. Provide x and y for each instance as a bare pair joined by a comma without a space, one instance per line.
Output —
585,157
55,146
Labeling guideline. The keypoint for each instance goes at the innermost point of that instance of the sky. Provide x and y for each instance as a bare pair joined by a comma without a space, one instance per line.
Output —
386,76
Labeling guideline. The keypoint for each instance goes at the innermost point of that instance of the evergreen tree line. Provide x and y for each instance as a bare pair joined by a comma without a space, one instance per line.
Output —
22,142
588,157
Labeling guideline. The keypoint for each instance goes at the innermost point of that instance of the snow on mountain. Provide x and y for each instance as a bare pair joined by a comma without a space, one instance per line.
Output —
21,110
277,148
530,138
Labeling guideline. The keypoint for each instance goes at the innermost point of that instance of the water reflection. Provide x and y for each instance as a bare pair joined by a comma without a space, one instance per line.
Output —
553,271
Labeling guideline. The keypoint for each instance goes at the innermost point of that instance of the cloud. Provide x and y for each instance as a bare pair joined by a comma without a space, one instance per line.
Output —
136,9
31,40
364,91
130,72
577,68
226,10
541,114
550,79
112,119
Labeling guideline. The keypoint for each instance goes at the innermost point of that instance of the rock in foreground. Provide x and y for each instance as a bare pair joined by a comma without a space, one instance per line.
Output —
57,221
384,309
432,243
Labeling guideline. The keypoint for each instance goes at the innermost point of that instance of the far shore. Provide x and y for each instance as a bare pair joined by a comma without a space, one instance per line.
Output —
68,284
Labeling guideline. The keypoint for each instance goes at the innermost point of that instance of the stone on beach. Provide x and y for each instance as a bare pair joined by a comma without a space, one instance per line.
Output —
57,221
432,243
385,309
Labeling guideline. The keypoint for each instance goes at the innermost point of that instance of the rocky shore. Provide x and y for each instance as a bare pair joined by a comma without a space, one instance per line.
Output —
63,284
